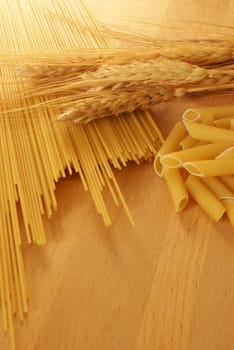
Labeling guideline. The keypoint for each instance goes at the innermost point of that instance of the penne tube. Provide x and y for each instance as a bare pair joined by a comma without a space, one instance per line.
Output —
208,120
209,133
208,151
205,198
192,114
228,153
176,188
217,167
232,124
218,112
171,144
218,188
228,181
224,123
229,204
187,142
223,193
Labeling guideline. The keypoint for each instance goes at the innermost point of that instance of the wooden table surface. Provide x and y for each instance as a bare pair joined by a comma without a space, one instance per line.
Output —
167,283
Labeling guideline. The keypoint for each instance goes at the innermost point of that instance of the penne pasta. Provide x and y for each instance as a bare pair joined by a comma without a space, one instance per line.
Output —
224,123
209,133
205,198
232,124
176,188
207,154
223,193
196,115
171,144
187,142
217,112
228,153
192,114
229,204
217,167
208,120
228,181
218,187
176,159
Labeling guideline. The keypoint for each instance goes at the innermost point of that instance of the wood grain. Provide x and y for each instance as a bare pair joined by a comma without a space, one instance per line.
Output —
167,283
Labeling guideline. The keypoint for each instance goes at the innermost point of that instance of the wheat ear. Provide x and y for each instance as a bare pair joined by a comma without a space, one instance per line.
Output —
55,66
115,89
125,89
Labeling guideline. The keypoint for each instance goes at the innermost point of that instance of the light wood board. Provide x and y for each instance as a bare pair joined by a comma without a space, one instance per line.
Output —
167,283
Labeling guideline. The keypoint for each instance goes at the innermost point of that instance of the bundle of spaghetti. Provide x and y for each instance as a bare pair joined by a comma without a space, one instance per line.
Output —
35,152
197,159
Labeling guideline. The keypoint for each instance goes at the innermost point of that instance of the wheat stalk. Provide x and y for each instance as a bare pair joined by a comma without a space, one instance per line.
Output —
52,66
97,91
117,89
93,84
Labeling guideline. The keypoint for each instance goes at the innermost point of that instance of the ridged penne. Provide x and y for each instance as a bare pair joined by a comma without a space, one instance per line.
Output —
224,123
218,187
192,114
218,112
171,144
228,153
187,142
205,155
217,167
228,181
208,133
176,188
229,204
205,197
208,151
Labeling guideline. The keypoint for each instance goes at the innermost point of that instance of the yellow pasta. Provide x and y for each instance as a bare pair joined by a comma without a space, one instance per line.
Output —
205,198
232,124
228,153
35,151
228,181
176,188
229,204
218,188
208,120
216,111
195,115
224,123
187,142
208,156
223,193
212,167
209,133
192,115
171,144
176,159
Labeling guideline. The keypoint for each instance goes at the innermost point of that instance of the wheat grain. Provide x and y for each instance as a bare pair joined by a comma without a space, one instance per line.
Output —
200,52
111,89
81,80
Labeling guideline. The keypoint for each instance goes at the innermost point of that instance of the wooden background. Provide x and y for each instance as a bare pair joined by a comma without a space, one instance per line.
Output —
167,283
